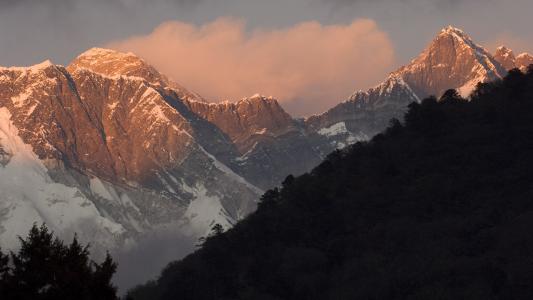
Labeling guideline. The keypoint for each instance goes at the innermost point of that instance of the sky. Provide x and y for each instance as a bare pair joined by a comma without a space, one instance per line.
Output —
309,54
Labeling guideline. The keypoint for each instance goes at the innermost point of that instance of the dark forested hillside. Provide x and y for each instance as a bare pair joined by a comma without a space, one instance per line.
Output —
437,207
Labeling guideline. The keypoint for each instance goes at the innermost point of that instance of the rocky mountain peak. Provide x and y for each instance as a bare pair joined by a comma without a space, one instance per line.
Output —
504,51
508,60
505,57
455,32
260,100
35,69
523,61
113,63
107,148
451,60
250,116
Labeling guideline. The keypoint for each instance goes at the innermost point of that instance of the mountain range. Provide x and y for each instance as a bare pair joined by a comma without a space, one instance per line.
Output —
112,149
436,207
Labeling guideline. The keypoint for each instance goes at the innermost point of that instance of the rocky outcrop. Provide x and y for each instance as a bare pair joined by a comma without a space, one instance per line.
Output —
246,119
112,149
452,60
506,57
364,114
523,61
270,142
114,132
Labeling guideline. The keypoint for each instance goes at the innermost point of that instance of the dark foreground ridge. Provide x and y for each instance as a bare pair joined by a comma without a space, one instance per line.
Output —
440,207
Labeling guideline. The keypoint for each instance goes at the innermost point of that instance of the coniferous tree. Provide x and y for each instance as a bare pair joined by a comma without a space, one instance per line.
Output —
45,268
436,207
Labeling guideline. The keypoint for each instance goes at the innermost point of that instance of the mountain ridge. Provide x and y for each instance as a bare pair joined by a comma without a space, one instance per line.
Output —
452,60
142,149
120,141
435,207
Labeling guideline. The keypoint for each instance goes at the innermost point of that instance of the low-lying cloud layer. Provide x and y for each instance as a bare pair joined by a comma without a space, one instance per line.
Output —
309,63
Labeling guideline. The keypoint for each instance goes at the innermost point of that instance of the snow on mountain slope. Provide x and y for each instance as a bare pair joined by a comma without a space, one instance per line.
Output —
115,64
270,143
523,61
111,135
118,143
506,57
364,114
452,60
28,195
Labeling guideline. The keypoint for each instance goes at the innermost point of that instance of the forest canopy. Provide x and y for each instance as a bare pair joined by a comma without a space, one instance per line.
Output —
44,268
439,206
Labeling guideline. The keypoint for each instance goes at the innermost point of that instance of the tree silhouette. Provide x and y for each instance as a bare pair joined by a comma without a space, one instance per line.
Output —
436,207
45,268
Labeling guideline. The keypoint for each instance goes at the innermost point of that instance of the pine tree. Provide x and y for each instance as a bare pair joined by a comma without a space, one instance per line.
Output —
45,268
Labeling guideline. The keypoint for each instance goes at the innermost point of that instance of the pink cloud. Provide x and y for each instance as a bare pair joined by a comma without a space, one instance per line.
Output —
310,64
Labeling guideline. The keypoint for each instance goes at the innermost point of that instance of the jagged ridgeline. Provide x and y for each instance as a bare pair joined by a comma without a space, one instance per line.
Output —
436,207
112,149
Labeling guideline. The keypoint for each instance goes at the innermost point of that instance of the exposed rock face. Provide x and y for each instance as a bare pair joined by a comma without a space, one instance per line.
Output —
364,114
452,60
270,142
247,118
138,151
523,61
506,57
112,149
112,132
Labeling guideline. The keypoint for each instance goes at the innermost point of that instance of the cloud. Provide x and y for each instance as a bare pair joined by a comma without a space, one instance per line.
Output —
315,65
514,42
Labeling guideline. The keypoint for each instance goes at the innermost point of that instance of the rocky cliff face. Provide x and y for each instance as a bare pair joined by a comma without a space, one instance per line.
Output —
506,57
110,148
270,143
364,114
113,133
452,60
523,61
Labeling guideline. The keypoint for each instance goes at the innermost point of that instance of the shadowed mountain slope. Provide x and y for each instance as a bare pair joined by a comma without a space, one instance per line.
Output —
437,208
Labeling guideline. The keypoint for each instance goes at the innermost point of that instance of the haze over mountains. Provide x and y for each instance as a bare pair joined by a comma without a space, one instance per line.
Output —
111,149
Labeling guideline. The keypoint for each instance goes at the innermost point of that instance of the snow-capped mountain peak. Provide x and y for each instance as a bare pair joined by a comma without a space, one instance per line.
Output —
508,60
112,133
452,59
116,64
504,51
505,57
35,68
524,60
113,63
456,32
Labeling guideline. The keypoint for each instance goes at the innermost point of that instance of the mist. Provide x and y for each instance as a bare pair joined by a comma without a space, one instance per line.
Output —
145,260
